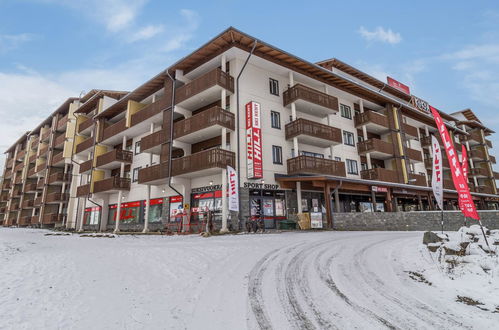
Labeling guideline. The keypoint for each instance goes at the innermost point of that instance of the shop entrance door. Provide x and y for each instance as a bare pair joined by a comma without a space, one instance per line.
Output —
262,208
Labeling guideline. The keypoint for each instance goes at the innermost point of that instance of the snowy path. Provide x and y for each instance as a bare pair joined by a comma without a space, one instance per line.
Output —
327,280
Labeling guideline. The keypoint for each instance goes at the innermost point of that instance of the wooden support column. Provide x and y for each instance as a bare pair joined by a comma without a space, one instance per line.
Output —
389,205
327,199
373,199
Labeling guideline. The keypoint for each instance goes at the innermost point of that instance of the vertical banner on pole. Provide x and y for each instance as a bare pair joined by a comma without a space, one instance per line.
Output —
461,185
233,189
436,176
465,167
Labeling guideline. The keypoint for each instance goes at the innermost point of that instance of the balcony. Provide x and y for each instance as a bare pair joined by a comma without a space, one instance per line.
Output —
488,143
314,165
492,159
414,155
40,184
204,125
375,122
417,179
20,155
43,151
207,89
202,163
479,172
310,100
28,203
35,220
83,190
59,141
19,167
56,198
380,174
18,179
85,145
25,221
45,135
59,178
86,166
377,148
485,189
85,127
151,113
32,158
111,134
40,169
52,218
313,133
112,184
496,175
154,175
114,158
9,163
61,123
478,155
152,142
58,159
14,206
449,184
410,130
429,163
3,210
30,187
35,142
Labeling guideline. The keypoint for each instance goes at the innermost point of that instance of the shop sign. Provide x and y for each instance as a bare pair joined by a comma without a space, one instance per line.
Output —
379,189
398,85
175,199
207,188
254,140
93,209
154,201
233,189
256,185
316,220
420,104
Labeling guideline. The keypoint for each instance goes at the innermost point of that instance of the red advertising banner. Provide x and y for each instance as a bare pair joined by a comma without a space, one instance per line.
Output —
254,140
463,191
398,85
464,165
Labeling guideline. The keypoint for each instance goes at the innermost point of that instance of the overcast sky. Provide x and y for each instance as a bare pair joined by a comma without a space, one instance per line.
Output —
446,51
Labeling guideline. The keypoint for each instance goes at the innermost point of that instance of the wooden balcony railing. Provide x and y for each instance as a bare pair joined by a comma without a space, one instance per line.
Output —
153,140
52,218
45,135
203,160
58,177
61,123
35,142
485,189
380,174
370,117
84,125
30,187
35,220
24,221
449,184
9,163
14,206
429,163
114,129
43,151
204,119
57,197
492,159
305,93
86,166
409,130
496,175
58,158
417,179
59,140
111,184
479,171
488,143
32,158
18,179
414,154
202,83
84,145
150,110
83,190
28,203
153,173
115,155
375,145
314,165
40,184
20,154
478,154
19,167
314,129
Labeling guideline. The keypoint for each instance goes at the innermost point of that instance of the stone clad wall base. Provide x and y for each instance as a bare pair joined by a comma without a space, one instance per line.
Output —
410,221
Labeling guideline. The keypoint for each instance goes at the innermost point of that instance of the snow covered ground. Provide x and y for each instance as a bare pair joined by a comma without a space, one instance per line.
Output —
336,280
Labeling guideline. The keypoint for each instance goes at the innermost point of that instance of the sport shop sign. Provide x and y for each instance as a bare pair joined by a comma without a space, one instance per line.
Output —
463,191
420,104
254,140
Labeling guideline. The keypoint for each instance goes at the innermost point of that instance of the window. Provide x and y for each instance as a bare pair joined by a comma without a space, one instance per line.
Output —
412,170
363,166
338,159
360,138
135,175
352,166
348,138
346,111
312,154
274,86
277,154
137,147
275,119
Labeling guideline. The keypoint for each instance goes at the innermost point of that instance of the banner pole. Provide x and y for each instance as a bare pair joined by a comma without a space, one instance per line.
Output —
484,236
442,220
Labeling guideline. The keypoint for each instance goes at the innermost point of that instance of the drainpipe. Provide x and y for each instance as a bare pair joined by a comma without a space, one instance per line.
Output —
237,126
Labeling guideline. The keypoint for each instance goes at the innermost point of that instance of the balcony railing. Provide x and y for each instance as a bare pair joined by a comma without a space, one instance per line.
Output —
380,174
315,165
152,142
30,187
485,189
203,160
61,123
59,140
153,173
417,179
115,155
84,125
58,158
198,85
375,145
83,190
45,135
35,220
9,163
35,142
150,110
313,129
449,184
57,197
24,221
409,130
492,159
305,93
40,184
371,117
32,158
488,143
496,175
28,203
84,145
52,218
43,151
414,154
478,154
19,167
20,154
114,129
111,184
429,163
204,119
86,166
59,177
478,171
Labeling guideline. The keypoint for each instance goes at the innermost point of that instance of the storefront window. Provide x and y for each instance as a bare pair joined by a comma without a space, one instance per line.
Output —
92,215
130,213
176,206
155,210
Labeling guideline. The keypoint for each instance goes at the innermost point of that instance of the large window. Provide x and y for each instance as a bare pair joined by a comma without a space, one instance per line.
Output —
277,155
346,111
352,166
348,138
135,175
274,86
275,119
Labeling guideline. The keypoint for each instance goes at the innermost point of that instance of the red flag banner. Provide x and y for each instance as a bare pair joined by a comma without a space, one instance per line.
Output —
463,191
464,162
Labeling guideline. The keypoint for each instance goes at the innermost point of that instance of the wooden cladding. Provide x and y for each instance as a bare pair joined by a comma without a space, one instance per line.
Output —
38,201
371,117
115,155
32,158
150,110
57,197
409,130
59,140
380,174
61,123
45,135
206,118
417,179
114,129
111,184
485,189
86,166
375,145
20,154
302,92
30,187
414,154
153,140
202,83
58,177
153,173
203,160
84,145
58,158
429,163
84,125
314,165
314,129
28,203
83,190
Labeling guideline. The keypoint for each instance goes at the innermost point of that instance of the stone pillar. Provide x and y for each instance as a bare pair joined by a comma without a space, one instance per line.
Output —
298,197
120,193
337,200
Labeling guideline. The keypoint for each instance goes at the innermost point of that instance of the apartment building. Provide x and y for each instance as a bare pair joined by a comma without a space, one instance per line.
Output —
304,137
